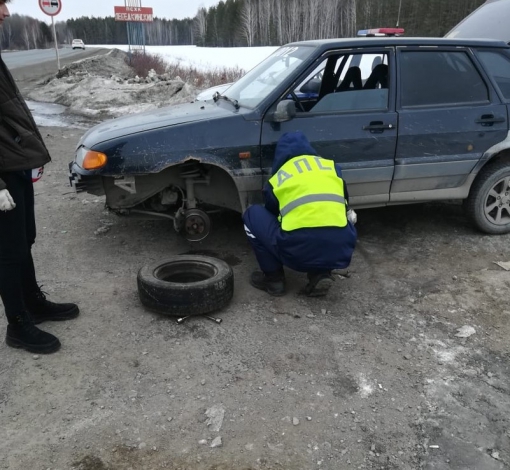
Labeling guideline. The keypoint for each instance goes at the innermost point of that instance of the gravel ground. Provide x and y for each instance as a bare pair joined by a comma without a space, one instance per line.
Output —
374,376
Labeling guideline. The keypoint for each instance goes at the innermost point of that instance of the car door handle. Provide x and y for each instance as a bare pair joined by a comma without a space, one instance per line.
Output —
489,119
378,127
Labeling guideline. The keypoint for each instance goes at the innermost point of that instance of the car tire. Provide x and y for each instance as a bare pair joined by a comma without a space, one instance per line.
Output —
185,285
488,213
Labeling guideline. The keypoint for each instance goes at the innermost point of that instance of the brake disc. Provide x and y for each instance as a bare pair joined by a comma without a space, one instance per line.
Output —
197,225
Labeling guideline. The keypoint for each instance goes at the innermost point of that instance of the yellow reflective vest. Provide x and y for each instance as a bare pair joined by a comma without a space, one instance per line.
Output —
310,194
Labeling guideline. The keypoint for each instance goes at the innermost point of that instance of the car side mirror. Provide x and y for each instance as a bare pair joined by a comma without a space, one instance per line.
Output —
285,111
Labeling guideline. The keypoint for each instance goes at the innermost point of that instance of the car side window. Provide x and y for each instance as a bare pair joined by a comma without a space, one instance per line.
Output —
440,78
343,83
498,67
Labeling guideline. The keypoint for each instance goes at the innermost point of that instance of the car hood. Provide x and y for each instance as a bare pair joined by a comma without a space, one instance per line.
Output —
150,120
489,21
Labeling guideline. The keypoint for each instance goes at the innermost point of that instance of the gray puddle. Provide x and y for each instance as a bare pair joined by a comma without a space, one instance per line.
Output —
54,115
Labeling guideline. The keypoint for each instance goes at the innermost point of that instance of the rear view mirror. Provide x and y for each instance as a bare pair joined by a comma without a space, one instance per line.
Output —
285,111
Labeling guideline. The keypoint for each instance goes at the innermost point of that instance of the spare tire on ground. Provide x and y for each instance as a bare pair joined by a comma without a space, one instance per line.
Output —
186,285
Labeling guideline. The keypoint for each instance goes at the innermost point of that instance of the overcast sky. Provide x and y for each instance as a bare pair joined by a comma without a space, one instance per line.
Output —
75,8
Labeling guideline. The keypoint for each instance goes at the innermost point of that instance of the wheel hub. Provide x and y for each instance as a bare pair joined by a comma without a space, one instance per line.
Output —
197,225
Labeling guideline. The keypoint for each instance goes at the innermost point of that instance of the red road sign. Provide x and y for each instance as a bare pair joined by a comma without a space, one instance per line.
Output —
138,14
51,7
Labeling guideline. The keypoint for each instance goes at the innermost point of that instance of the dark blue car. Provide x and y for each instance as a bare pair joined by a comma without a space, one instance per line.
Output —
409,119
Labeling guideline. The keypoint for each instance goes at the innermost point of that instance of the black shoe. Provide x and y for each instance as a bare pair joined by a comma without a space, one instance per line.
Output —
319,284
21,333
272,283
41,309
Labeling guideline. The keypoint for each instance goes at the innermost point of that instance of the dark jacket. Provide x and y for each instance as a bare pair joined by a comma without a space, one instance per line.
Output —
21,144
308,249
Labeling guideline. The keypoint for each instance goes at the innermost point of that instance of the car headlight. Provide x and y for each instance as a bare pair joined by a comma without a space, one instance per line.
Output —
90,159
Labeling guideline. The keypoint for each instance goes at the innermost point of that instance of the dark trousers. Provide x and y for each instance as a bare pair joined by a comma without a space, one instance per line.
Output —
17,235
311,250
262,229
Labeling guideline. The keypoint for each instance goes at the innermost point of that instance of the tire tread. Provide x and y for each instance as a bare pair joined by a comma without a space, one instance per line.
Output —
197,298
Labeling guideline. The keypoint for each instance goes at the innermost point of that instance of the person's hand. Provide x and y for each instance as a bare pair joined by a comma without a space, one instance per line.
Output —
6,202
352,217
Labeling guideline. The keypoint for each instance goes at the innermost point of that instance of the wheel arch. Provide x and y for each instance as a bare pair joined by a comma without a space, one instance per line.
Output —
225,188
497,152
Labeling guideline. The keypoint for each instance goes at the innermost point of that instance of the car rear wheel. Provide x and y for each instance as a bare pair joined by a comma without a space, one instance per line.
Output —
186,285
488,204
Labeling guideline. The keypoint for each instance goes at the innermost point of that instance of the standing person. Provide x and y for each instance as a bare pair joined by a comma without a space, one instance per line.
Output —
22,150
305,222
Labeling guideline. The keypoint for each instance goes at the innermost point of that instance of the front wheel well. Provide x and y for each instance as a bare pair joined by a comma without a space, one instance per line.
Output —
215,185
212,184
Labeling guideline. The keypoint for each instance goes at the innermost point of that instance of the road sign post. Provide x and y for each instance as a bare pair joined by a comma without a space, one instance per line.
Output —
52,8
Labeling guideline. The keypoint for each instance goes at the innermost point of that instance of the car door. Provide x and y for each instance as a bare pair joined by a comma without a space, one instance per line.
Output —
449,115
356,127
497,66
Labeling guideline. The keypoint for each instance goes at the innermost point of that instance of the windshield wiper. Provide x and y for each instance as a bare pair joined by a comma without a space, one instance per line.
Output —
218,95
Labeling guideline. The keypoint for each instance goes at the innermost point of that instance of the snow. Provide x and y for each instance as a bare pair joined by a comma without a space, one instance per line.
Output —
208,58
97,87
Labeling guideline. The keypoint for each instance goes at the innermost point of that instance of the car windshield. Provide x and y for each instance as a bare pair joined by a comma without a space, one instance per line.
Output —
259,82
490,21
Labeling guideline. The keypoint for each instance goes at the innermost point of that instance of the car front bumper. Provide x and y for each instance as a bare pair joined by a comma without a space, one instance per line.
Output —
83,180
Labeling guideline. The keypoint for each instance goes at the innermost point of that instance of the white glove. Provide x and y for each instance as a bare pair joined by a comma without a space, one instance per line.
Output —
352,217
6,202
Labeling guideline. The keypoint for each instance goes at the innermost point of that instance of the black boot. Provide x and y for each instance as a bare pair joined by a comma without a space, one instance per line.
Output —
272,283
319,283
22,333
41,309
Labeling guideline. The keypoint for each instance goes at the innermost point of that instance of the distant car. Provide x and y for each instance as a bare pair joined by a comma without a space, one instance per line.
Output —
409,119
78,44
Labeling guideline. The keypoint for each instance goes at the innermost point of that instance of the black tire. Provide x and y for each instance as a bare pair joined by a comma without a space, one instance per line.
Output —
186,285
488,213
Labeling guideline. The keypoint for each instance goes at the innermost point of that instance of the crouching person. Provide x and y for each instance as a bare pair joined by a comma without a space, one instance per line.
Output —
304,224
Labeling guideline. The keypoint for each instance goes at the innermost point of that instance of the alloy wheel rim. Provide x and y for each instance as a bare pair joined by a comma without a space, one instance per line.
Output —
497,202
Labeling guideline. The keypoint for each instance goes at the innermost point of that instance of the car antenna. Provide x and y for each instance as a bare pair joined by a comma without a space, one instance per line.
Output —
398,16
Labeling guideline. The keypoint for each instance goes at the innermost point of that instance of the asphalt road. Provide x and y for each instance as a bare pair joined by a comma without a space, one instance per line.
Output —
22,63
19,59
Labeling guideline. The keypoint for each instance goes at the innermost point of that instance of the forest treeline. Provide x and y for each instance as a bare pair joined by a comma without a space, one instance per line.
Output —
233,23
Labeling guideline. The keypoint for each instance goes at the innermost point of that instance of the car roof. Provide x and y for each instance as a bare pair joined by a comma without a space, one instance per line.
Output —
397,41
490,20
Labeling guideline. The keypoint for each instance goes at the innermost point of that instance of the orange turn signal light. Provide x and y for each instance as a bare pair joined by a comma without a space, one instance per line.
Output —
94,160
244,155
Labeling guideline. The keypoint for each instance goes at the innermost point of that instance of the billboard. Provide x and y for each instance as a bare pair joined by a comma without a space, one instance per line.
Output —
138,14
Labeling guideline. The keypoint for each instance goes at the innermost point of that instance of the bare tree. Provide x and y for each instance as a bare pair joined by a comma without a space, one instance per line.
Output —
7,34
26,36
349,16
312,20
248,21
35,32
200,24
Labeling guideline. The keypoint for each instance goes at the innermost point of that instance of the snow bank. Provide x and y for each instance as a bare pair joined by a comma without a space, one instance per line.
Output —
103,86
